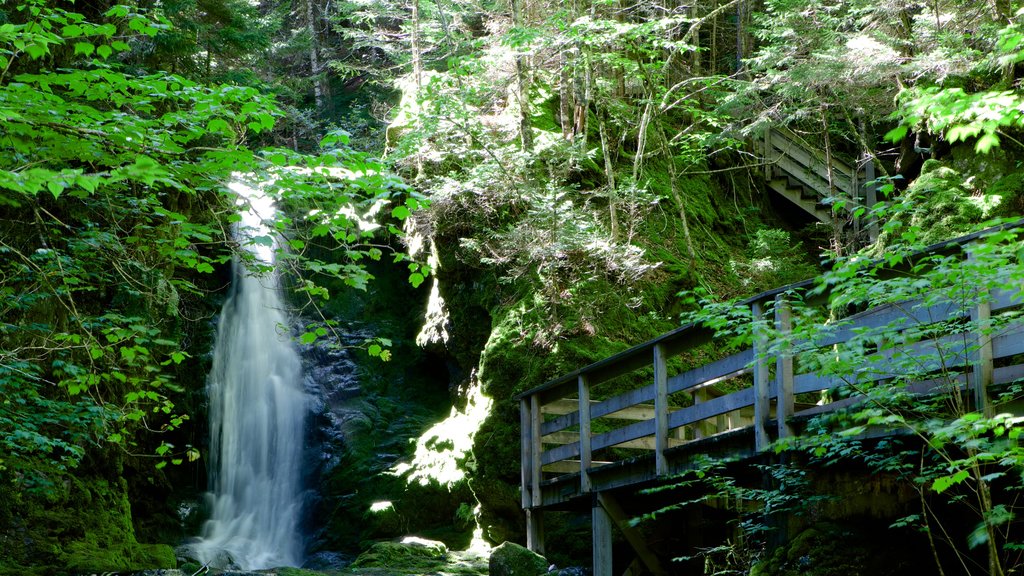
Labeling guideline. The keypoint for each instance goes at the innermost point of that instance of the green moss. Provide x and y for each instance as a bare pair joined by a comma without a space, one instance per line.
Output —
830,549
108,541
511,559
400,558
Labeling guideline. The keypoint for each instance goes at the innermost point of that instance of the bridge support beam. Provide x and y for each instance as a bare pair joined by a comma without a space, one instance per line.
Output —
602,541
535,531
617,515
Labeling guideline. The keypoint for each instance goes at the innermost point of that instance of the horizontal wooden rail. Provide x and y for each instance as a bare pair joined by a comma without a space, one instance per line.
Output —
753,393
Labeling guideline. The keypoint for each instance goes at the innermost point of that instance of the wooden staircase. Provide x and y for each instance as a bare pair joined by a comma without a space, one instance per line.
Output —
800,173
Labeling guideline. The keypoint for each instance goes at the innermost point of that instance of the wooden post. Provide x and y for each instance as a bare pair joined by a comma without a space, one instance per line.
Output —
981,318
761,398
983,365
871,197
585,452
535,530
660,411
526,453
635,538
535,465
531,417
784,367
602,542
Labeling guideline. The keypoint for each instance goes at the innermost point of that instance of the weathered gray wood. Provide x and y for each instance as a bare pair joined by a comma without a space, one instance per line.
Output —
890,317
571,466
1009,341
568,437
660,411
585,453
719,370
983,365
1003,298
633,536
785,141
561,423
761,399
783,367
526,445
535,530
624,434
561,453
871,196
535,450
627,412
713,407
602,540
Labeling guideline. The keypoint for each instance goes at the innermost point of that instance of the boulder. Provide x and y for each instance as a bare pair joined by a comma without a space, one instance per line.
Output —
511,559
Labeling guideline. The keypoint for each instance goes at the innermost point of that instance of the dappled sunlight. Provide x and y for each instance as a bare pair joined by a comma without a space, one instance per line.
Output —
442,451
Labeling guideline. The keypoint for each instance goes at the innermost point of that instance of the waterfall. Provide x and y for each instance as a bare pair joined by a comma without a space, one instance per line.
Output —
257,417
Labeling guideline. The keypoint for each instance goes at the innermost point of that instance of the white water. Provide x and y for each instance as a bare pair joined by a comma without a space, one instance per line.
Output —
257,418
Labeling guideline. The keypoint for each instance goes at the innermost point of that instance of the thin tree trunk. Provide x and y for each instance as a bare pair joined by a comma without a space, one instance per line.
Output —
523,92
609,173
565,96
319,90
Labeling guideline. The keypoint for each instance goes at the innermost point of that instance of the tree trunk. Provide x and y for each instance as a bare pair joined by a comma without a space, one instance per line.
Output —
523,91
319,88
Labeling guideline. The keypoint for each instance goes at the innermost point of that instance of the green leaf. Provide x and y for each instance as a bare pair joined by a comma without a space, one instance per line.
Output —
416,279
986,142
307,338
84,48
400,212
943,483
897,133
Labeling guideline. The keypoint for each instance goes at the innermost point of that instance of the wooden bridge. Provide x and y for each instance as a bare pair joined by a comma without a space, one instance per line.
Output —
811,179
631,421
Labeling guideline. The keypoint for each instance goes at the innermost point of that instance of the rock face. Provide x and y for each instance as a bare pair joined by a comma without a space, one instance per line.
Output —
513,560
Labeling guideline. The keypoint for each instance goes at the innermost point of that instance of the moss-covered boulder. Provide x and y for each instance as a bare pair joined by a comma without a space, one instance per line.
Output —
511,559
409,556
832,549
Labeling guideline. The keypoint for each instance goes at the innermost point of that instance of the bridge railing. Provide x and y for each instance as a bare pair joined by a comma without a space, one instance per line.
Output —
643,402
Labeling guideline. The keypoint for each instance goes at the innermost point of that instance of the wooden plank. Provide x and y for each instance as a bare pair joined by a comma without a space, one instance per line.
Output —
571,466
783,368
646,443
1009,341
633,536
761,402
719,370
561,453
721,405
660,411
561,423
627,412
1003,299
526,447
585,453
783,138
624,434
891,317
613,407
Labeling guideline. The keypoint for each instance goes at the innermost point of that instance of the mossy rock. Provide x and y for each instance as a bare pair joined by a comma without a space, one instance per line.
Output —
511,559
411,556
830,549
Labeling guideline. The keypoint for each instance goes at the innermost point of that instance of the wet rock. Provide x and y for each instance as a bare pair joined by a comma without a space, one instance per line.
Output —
511,559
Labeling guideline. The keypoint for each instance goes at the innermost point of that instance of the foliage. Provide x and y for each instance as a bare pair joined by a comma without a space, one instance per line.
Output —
115,218
905,373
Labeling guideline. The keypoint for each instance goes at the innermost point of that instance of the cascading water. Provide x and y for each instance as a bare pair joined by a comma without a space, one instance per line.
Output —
257,418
